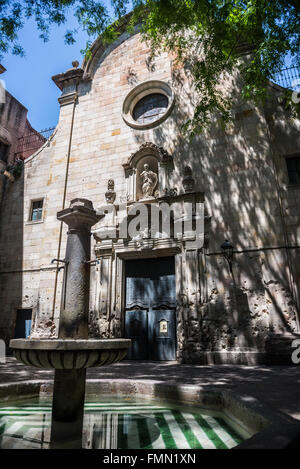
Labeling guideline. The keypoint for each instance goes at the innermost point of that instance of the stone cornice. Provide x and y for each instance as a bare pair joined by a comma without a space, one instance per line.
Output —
68,98
73,75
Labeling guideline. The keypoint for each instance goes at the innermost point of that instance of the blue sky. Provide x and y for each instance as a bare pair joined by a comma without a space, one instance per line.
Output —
28,78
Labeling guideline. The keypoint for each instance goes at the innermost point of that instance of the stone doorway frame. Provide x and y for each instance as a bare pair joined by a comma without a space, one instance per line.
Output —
190,273
190,288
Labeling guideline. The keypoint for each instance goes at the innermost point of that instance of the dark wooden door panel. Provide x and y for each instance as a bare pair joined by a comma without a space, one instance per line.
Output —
136,330
137,292
161,335
163,291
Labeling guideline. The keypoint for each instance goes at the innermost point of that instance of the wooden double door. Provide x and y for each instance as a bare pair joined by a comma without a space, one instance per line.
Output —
150,317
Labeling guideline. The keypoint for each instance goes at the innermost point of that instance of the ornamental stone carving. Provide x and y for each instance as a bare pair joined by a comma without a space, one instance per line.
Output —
159,162
145,149
188,181
110,194
172,192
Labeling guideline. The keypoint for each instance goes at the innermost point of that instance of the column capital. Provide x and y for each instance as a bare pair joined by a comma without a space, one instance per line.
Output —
80,214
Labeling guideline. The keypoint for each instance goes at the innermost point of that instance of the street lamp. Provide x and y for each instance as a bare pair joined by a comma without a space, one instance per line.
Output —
227,251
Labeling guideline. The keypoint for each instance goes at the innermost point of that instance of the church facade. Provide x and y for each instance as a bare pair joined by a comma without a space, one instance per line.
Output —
119,143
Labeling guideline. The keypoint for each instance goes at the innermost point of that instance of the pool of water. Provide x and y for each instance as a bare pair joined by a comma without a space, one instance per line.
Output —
123,423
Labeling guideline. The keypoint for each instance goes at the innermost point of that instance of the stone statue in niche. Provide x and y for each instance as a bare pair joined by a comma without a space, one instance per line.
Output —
110,194
148,181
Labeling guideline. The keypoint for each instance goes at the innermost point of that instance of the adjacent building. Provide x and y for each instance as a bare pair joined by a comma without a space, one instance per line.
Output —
18,140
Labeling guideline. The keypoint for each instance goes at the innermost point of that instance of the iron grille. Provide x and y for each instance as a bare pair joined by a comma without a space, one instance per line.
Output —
288,78
30,143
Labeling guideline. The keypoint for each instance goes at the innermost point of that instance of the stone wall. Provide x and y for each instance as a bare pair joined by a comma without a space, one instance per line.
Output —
19,275
241,172
12,294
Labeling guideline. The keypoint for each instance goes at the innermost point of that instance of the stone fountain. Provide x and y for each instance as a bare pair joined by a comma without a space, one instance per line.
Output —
72,352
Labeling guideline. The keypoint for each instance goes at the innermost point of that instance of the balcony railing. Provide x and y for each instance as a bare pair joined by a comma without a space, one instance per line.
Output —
288,78
28,144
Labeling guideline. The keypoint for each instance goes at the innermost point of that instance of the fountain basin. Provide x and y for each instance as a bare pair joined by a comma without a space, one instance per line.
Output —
270,429
69,354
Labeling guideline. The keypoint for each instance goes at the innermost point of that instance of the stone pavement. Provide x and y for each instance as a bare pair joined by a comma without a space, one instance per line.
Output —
276,387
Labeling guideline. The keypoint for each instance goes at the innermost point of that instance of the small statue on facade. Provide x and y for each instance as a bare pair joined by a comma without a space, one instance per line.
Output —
149,181
188,180
110,194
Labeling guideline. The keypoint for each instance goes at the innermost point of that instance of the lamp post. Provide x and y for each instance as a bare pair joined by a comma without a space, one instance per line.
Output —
227,251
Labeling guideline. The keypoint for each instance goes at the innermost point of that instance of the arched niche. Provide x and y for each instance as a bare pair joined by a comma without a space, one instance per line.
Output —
152,164
157,159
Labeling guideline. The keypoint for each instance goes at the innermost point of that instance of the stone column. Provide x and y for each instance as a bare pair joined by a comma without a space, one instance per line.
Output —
69,385
73,321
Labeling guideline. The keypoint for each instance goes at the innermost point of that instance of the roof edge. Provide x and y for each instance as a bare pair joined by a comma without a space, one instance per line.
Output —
98,44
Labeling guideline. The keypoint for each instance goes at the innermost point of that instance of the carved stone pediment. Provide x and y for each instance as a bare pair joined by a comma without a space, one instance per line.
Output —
145,149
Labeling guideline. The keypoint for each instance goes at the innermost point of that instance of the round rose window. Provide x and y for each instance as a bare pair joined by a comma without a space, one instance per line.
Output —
148,105
150,108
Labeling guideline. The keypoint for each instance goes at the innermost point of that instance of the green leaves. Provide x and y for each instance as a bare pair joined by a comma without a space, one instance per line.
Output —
207,37
220,31
92,16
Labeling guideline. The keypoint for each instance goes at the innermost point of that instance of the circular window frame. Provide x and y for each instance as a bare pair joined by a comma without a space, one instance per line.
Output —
144,89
